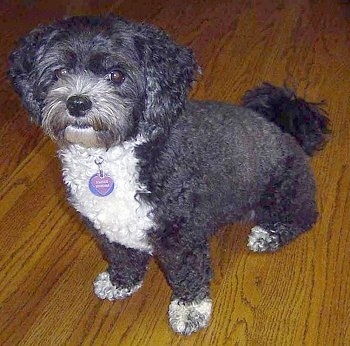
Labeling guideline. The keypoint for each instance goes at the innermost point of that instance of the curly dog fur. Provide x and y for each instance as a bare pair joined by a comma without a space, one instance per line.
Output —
113,95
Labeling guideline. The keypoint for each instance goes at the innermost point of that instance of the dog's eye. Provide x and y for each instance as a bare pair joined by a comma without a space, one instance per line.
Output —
116,76
61,72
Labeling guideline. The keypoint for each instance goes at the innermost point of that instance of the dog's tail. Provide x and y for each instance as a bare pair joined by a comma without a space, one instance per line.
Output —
304,120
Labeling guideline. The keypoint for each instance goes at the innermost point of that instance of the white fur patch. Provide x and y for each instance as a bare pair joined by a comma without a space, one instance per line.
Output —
187,318
260,240
119,216
104,289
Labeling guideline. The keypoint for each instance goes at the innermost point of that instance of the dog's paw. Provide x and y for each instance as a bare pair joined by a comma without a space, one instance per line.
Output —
261,240
104,288
187,318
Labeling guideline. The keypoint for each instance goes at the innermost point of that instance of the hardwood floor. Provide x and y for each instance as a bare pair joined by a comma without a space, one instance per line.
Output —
298,296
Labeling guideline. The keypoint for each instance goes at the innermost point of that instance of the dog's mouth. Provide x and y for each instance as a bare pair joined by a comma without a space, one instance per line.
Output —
90,134
80,126
84,135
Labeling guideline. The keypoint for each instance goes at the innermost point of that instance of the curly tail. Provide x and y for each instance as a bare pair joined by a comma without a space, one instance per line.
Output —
303,120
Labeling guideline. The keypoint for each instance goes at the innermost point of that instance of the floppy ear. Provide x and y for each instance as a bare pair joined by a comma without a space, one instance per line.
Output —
21,69
170,71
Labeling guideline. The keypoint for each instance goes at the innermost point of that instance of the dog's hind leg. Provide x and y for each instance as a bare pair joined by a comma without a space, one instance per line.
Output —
186,264
287,209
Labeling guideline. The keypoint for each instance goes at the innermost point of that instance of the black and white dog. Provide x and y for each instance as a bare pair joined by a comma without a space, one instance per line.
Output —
154,174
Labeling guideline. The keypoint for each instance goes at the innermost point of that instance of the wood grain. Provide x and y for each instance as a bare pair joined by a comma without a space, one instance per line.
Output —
298,296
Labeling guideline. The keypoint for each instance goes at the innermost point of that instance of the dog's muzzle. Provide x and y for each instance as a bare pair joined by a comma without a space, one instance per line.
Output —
78,105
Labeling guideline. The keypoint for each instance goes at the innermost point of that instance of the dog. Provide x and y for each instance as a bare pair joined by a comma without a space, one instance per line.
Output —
153,173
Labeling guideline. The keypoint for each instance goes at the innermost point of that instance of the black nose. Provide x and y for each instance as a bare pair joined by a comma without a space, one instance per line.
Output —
78,104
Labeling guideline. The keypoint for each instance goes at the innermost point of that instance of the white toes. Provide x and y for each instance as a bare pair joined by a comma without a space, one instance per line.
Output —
187,318
261,240
104,289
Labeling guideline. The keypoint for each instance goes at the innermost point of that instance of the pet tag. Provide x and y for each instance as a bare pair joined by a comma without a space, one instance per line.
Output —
101,185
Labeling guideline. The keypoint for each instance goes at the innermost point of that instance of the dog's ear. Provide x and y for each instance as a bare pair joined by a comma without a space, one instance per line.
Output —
170,71
22,68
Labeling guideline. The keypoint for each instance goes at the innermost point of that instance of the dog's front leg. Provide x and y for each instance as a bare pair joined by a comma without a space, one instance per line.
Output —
186,264
125,273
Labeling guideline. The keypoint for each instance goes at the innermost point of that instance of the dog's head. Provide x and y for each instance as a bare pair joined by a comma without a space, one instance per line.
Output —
98,81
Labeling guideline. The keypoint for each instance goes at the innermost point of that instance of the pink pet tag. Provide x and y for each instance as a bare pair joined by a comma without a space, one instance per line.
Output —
101,185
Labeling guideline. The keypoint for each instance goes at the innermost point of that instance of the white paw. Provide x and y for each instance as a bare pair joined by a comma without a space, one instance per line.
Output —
187,318
104,289
260,240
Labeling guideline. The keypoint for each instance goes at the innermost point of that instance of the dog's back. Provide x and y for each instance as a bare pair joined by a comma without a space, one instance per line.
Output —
219,160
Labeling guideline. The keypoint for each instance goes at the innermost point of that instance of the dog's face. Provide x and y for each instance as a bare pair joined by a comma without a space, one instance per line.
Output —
100,81
92,87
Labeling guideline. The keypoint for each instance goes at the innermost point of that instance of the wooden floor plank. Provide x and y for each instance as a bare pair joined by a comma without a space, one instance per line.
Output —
298,296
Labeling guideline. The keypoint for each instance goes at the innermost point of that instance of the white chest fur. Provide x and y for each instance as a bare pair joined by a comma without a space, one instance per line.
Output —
120,216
